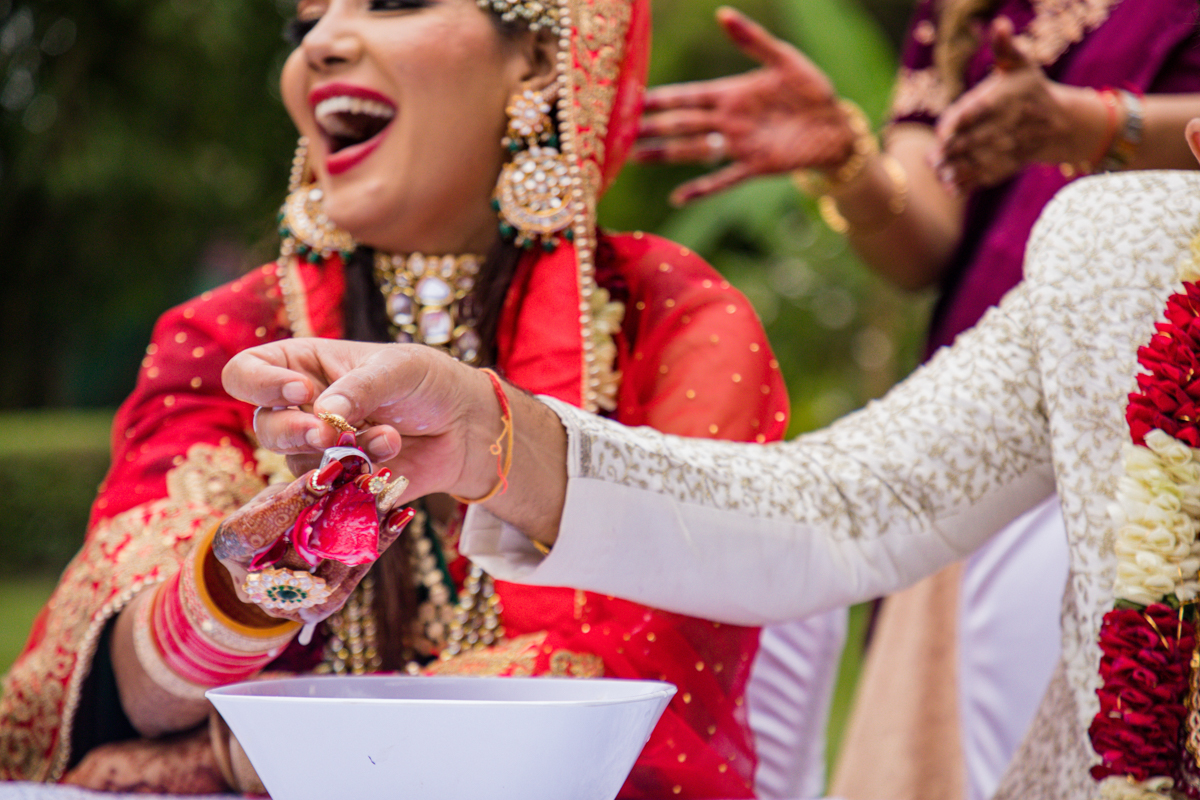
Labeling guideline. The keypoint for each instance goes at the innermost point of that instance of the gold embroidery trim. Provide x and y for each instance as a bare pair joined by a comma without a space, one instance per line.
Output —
42,691
1056,26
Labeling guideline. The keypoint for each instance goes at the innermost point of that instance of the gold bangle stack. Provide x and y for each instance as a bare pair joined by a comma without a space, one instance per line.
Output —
897,203
816,183
866,147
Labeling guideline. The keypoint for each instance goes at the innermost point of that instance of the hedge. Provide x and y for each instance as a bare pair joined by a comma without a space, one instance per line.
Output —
50,465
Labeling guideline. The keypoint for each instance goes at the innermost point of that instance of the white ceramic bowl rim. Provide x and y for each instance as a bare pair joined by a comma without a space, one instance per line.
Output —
286,690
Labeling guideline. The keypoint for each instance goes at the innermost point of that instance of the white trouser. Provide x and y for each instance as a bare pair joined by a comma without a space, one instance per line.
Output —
1008,643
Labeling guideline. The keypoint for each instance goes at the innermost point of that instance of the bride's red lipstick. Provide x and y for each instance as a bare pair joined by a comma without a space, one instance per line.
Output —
349,157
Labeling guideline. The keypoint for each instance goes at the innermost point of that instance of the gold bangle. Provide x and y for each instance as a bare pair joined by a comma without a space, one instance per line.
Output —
544,549
203,612
897,203
815,182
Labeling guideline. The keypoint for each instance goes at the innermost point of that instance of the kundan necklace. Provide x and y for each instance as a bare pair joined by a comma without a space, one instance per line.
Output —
423,296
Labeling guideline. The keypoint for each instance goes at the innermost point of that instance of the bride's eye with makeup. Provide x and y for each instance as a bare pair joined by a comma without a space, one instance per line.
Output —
307,15
397,5
295,29
306,19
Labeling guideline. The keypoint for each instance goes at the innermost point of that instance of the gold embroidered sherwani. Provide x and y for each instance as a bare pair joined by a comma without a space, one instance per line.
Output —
1030,399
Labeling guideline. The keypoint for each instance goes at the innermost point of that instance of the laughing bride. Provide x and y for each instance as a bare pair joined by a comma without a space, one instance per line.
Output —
444,192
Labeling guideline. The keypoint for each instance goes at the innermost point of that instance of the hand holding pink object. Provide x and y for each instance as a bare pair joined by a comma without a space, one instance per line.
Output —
775,119
299,551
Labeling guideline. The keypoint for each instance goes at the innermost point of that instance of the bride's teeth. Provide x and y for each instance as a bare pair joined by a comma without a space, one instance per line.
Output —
354,105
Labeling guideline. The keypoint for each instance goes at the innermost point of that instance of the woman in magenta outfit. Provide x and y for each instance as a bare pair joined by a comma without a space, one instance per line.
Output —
1144,48
998,105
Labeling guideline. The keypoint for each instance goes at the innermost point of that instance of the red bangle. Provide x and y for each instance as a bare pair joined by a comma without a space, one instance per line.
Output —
188,653
502,448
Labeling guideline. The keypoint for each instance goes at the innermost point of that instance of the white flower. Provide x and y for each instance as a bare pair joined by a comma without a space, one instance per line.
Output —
1170,449
1157,524
1119,787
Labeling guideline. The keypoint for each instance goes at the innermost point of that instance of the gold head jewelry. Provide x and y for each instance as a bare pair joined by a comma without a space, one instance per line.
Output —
533,13
336,421
423,297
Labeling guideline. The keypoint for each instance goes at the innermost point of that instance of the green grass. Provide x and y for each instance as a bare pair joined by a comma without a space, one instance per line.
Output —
50,465
51,432
20,601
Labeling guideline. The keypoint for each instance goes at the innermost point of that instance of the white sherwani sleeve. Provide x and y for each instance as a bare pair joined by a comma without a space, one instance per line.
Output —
751,534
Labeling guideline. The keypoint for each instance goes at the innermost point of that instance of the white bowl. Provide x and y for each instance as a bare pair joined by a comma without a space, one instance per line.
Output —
375,737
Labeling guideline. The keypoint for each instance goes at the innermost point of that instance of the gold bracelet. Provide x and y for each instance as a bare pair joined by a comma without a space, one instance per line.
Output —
202,610
816,183
503,454
897,203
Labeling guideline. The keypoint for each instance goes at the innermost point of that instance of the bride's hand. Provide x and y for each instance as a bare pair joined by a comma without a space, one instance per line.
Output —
252,538
777,118
445,414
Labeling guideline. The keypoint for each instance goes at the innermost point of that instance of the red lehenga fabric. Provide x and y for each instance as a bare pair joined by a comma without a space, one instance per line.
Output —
694,360
690,357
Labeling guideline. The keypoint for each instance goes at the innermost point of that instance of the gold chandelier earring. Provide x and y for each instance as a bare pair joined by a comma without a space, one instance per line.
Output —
533,194
305,228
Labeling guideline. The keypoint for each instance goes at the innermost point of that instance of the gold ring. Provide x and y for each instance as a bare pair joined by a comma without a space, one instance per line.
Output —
337,421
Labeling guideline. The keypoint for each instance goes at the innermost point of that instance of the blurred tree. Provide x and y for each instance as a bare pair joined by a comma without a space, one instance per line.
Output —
137,158
143,151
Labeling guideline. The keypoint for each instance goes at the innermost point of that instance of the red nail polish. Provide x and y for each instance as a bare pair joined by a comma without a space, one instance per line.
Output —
323,480
345,439
650,153
397,520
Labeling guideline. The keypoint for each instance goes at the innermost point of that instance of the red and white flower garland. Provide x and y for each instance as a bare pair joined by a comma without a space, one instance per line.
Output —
1148,639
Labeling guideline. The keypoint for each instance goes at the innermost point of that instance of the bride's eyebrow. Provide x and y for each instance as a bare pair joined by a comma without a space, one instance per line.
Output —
309,6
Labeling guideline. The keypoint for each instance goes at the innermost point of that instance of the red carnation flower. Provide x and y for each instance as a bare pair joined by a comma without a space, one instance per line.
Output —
1144,668
1168,396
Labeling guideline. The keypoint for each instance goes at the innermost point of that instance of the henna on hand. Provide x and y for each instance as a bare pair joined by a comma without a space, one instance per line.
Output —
775,119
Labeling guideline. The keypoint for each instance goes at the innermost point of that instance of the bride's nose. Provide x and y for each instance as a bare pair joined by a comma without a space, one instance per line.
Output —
333,41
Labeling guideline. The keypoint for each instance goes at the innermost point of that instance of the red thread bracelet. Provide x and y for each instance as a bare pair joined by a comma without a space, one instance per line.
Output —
504,455
1109,98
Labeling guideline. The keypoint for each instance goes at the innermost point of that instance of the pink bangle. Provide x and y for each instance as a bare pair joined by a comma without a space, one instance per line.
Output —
187,644
186,651
151,659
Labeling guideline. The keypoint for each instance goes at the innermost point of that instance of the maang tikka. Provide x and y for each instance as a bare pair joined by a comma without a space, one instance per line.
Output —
304,227
532,196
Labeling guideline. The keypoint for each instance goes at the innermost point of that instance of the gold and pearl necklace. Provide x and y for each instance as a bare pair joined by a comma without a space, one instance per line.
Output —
423,296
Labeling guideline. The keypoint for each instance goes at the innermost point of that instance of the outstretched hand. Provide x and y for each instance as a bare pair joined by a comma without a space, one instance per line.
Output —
777,118
1013,118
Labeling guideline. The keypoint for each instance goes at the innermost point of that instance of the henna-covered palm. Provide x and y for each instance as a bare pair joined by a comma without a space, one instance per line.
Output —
780,117
263,532
1011,119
